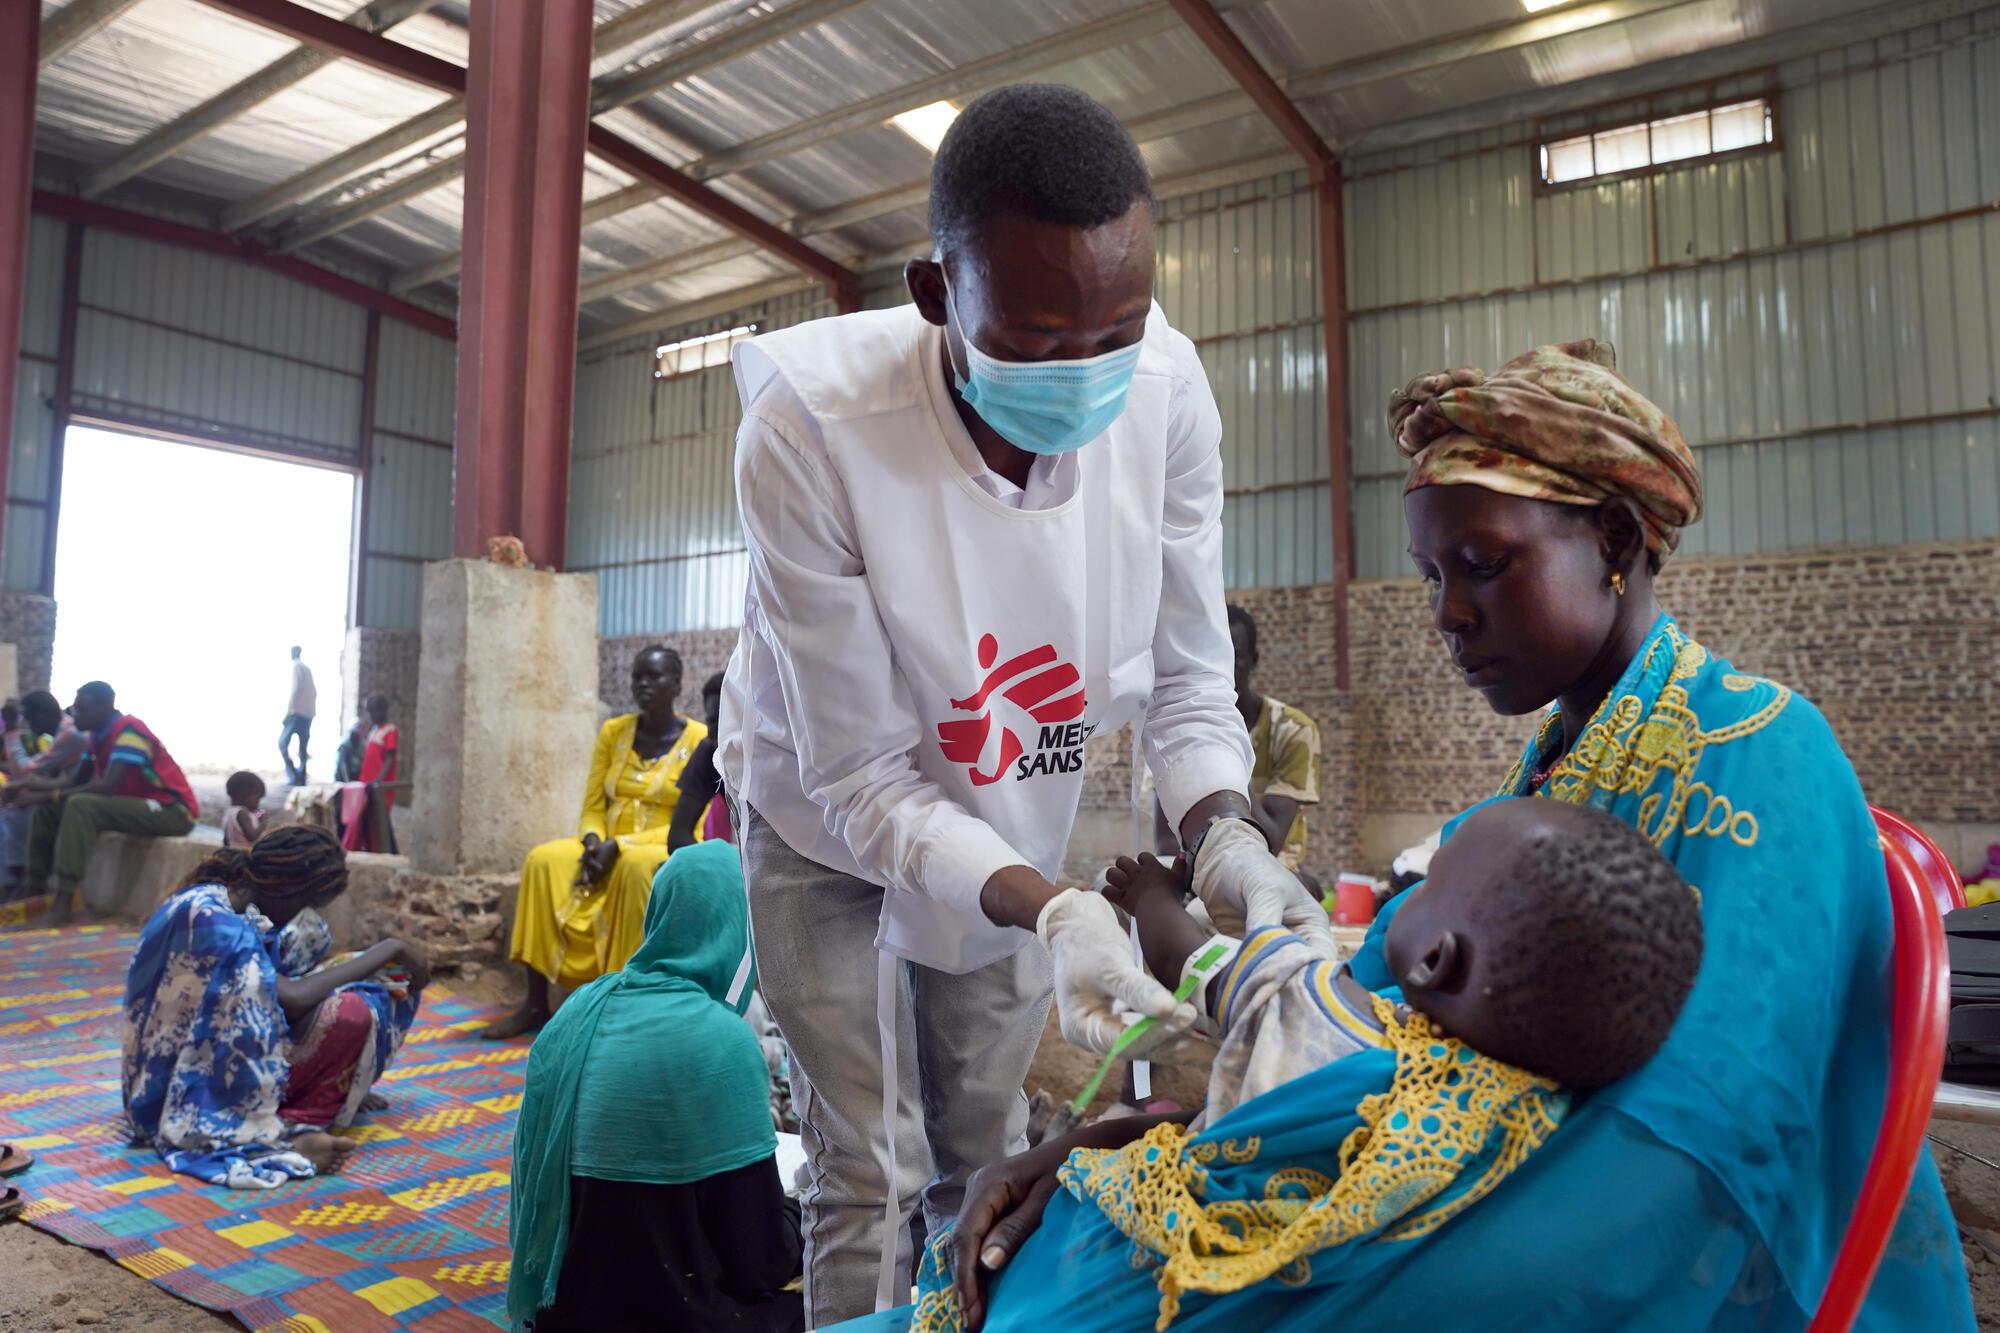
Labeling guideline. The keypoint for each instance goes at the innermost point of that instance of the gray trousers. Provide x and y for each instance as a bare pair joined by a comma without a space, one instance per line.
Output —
964,1044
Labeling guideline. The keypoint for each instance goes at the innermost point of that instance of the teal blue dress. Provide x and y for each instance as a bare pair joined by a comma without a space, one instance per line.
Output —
1709,1191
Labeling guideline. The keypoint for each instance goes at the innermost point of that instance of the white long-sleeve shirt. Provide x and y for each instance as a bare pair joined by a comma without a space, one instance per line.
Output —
926,652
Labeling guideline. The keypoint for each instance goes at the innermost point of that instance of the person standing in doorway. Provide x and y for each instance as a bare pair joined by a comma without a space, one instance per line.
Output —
299,712
982,528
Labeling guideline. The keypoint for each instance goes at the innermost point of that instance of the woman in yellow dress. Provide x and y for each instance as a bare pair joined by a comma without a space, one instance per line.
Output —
581,910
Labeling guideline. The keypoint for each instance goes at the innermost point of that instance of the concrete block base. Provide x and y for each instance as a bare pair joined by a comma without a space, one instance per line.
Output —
506,712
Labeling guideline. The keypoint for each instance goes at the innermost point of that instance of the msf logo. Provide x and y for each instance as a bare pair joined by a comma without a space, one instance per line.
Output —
1044,688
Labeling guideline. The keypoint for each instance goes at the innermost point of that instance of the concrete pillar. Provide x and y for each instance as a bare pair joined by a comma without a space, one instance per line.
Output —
10,671
506,713
527,102
20,37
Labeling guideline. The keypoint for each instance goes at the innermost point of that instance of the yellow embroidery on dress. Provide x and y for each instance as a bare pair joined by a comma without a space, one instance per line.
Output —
1623,753
1449,1110
1241,1153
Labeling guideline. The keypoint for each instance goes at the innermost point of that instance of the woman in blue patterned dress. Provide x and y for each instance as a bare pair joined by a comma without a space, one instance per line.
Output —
241,1049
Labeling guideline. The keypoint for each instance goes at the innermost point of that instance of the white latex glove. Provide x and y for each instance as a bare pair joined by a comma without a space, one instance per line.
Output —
1095,975
1245,888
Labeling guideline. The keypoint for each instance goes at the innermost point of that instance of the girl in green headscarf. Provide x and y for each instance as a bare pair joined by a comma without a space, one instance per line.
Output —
646,1190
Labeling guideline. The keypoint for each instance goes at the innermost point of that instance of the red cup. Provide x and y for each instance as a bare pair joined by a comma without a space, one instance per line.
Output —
1354,900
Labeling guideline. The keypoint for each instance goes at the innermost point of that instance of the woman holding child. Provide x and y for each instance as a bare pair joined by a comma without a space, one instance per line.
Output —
1708,1189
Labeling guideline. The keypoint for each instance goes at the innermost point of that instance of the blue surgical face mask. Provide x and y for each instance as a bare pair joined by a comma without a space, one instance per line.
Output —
1046,407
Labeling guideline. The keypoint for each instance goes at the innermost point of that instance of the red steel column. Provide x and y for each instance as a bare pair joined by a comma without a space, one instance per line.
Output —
527,105
20,39
1331,204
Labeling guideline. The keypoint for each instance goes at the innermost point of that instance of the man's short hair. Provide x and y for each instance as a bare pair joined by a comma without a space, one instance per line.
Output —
1039,150
98,690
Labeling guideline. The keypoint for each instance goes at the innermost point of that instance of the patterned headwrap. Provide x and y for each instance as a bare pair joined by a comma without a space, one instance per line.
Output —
1558,423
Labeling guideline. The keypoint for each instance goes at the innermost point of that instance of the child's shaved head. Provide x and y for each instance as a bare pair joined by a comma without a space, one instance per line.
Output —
1553,937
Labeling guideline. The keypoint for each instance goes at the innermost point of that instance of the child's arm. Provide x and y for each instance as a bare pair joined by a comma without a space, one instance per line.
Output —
1149,891
246,825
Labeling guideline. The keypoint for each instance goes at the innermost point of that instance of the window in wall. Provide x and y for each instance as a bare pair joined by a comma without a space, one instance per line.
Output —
700,353
1655,143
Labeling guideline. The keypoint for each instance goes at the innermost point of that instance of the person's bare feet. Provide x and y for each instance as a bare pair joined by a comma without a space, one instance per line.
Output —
523,1021
326,1152
374,1101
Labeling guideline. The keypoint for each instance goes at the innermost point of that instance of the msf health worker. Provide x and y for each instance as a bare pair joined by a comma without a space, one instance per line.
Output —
982,528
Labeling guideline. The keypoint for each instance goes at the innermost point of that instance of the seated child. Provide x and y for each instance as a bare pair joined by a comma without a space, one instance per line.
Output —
244,819
1548,953
1552,937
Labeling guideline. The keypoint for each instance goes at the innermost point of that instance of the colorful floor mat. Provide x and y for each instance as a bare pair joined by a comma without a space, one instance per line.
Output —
412,1234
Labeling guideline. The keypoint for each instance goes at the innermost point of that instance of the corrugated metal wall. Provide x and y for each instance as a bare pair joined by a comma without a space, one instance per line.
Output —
206,347
200,346
34,390
1238,273
409,473
1822,320
652,501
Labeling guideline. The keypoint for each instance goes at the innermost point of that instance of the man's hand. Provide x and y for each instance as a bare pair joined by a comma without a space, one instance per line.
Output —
1095,973
1245,888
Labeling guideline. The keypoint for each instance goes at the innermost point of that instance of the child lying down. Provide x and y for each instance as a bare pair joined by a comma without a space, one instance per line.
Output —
1549,953
1550,937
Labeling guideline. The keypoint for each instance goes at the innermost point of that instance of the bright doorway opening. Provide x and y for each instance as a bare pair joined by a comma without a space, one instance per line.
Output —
185,574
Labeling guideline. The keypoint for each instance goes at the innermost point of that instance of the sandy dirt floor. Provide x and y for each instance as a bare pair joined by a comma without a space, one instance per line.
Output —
52,1285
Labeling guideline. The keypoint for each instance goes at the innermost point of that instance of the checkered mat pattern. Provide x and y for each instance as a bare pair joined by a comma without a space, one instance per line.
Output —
412,1234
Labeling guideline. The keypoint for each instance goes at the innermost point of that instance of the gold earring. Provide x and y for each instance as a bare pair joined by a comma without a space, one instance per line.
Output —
1618,583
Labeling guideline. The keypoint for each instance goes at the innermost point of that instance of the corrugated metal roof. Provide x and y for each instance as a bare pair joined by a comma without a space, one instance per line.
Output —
160,59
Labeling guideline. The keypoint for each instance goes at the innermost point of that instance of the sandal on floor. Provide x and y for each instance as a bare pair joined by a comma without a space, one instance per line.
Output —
14,1160
11,1203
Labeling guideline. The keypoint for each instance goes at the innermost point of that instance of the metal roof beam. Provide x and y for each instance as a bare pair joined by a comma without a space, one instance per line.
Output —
326,176
966,80
323,32
94,214
330,34
1807,36
227,105
1230,52
640,22
625,89
720,304
903,196
707,55
420,182
71,25
337,171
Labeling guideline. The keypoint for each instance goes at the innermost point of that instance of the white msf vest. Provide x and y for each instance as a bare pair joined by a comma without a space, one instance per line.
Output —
1019,634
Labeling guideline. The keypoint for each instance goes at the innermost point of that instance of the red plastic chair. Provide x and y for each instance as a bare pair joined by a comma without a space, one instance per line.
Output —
1921,1004
1947,889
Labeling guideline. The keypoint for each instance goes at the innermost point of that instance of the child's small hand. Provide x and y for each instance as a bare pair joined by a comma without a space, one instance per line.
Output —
1128,882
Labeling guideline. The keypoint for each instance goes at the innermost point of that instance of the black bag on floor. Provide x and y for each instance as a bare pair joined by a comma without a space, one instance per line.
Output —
1972,1041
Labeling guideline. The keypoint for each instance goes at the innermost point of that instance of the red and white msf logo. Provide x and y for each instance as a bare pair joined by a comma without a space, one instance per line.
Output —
1045,691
